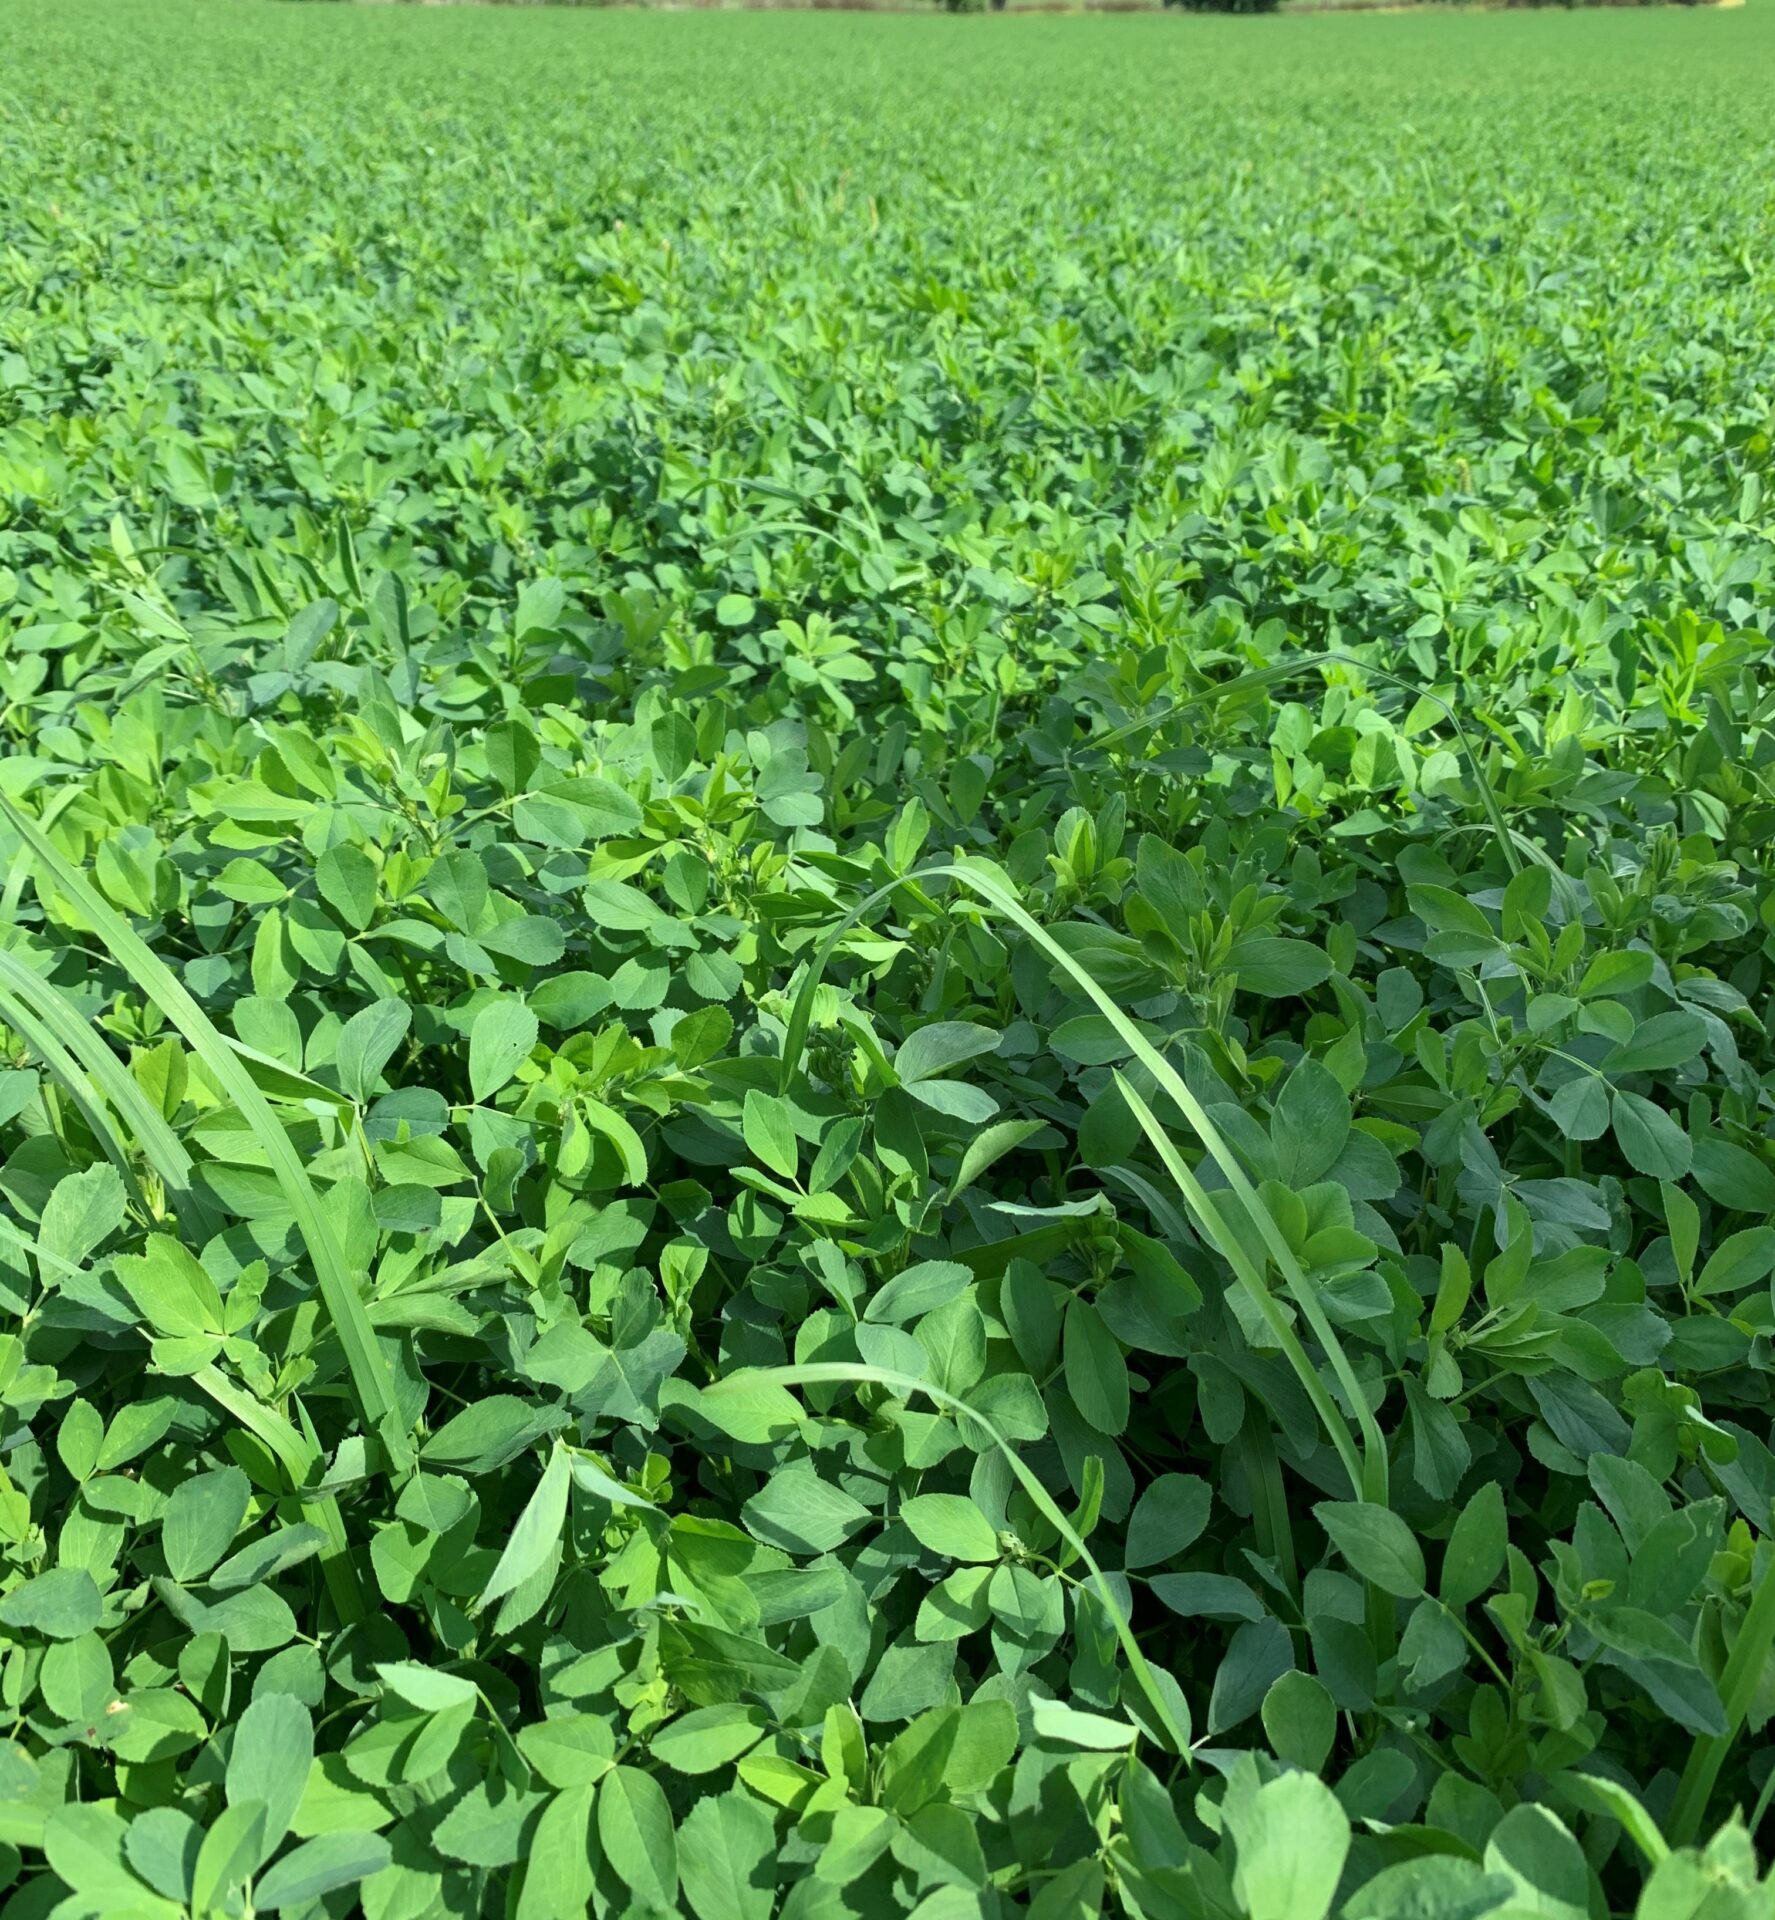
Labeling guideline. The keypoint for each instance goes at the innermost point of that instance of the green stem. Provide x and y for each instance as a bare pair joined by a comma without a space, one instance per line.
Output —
1269,1498
1738,1685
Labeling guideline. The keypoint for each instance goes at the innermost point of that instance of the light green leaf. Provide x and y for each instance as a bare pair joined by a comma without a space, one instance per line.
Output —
802,1513
201,1521
537,1533
770,1134
176,1296
80,1213
1096,1373
231,1850
940,1046
269,1761
368,1042
607,1121
570,1750
1474,1556
1292,1839
1066,1726
709,1737
1376,1543
345,878
726,1851
425,1687
635,1826
318,1867
1168,1519
561,1864
916,1291
60,1604
950,1524
500,1040
1651,1142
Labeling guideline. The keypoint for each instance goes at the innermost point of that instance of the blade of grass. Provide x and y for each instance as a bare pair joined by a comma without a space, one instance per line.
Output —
66,1071
1249,1274
1256,1215
110,1081
1370,1480
1368,1469
1169,1219
18,869
293,1453
1738,1688
840,1373
372,1384
1269,1498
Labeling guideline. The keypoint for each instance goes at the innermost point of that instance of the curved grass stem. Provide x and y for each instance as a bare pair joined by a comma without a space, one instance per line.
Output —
372,1383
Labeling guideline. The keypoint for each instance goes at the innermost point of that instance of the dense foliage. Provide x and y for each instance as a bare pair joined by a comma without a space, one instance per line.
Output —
888,951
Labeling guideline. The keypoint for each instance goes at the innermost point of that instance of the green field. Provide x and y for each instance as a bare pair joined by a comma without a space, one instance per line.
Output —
887,910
